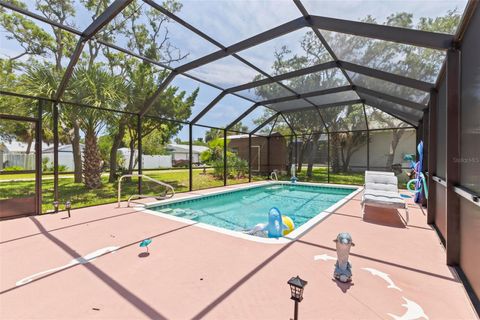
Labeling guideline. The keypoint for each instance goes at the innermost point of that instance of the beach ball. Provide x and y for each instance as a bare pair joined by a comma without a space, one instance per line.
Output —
288,222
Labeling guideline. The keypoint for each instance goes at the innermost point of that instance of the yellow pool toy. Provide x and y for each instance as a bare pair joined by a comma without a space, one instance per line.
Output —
288,222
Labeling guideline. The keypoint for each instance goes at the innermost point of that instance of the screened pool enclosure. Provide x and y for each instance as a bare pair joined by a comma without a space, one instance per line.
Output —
92,91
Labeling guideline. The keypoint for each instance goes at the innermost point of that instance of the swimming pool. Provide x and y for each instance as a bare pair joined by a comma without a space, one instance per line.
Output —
241,209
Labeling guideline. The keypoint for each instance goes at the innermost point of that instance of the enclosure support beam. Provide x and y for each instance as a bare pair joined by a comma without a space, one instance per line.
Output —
285,76
387,97
327,105
69,70
296,156
394,113
249,157
268,155
418,137
38,158
55,152
274,124
264,124
190,157
140,151
368,136
386,76
151,100
425,141
103,19
107,16
245,44
307,95
434,40
328,158
243,115
209,107
432,157
453,156
224,157
288,123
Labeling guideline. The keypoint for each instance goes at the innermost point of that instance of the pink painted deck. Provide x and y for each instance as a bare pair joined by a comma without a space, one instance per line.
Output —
193,273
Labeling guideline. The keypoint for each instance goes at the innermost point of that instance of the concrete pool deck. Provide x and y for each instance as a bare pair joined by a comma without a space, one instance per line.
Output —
194,273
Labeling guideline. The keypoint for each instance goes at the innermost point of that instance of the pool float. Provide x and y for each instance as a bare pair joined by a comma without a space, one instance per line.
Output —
290,225
276,227
421,189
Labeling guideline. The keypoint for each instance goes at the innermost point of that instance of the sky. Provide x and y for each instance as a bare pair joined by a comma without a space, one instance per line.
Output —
231,21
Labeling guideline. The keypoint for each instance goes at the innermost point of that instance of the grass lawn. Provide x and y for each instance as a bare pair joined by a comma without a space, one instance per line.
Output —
320,174
80,196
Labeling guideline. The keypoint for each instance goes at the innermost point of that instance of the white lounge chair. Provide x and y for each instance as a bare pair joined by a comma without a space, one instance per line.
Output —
381,190
386,173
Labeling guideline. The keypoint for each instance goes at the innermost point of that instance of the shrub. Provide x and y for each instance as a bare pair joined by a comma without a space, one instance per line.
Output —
218,168
14,168
236,167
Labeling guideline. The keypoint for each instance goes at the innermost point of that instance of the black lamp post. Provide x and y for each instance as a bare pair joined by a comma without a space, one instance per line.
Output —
68,205
296,287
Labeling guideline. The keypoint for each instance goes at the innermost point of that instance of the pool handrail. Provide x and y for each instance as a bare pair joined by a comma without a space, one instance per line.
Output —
274,174
139,195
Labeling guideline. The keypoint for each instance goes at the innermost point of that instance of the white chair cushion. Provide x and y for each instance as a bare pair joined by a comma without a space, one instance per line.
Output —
381,187
384,200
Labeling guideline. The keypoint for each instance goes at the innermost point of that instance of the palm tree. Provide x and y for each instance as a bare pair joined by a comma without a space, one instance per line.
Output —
93,85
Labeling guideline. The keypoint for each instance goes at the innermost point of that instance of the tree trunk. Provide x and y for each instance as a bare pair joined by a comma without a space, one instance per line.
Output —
397,134
334,157
117,141
77,153
346,160
300,157
92,166
312,153
132,156
29,144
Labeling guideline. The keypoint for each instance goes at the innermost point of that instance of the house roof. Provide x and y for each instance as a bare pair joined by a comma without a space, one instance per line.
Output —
18,146
184,148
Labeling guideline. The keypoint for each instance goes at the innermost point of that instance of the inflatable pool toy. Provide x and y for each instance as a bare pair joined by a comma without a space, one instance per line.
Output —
421,189
289,224
276,227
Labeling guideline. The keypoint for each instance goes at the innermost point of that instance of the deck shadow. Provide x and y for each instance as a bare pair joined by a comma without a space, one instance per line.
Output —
70,226
133,299
384,217
393,264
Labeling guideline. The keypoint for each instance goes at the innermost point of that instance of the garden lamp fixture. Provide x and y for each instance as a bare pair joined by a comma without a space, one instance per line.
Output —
296,288
55,206
68,206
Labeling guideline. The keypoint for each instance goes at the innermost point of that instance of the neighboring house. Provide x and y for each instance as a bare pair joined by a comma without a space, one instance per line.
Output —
14,154
260,151
279,151
148,161
65,155
180,153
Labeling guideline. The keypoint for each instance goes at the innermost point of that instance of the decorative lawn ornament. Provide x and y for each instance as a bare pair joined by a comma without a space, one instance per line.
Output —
145,243
343,268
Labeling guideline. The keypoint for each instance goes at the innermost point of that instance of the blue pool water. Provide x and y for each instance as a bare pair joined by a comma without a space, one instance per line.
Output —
243,209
